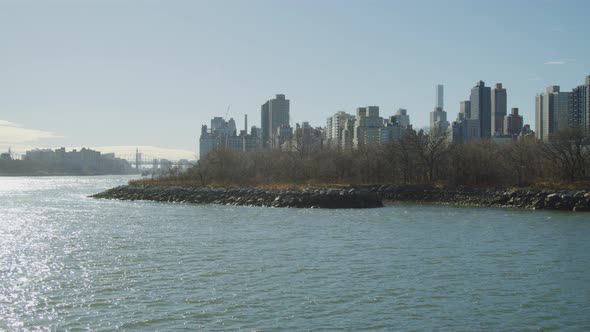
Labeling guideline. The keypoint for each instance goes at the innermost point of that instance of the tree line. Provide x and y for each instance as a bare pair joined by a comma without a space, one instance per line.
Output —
419,157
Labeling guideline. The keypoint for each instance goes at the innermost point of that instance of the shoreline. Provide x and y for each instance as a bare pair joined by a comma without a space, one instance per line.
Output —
370,196
308,198
24,175
531,199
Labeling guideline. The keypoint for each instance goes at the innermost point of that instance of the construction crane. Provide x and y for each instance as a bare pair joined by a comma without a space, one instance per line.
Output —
227,111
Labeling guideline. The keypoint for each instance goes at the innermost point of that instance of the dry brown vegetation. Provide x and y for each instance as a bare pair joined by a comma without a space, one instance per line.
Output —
418,158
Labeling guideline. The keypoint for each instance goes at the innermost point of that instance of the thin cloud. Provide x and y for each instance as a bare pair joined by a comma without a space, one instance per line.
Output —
11,133
4,123
556,62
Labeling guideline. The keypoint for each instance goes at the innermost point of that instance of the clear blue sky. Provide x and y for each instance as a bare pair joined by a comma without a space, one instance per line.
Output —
106,73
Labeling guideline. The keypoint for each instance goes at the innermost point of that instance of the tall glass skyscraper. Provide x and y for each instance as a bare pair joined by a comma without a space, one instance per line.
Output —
273,114
481,108
439,96
499,109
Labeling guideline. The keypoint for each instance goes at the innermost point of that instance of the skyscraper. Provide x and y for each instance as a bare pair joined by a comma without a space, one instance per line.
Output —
499,109
539,116
551,107
465,108
562,109
264,125
481,108
579,106
576,118
439,96
273,114
438,117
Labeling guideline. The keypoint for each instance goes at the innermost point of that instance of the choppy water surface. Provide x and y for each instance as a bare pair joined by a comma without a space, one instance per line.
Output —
68,262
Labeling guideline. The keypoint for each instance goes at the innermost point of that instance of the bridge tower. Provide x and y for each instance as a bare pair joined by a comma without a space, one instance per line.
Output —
137,159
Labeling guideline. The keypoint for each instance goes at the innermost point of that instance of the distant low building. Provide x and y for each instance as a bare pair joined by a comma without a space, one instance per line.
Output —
305,138
6,155
502,139
80,162
165,165
526,133
282,134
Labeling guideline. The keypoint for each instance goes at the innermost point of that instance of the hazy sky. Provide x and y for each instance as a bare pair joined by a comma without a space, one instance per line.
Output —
150,73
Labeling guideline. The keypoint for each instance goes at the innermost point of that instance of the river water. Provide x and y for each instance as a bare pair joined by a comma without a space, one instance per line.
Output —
68,262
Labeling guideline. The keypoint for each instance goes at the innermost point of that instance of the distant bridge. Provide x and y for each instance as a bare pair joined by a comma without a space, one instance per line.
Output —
139,159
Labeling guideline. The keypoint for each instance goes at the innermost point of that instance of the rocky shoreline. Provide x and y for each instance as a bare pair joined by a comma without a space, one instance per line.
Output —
308,198
359,197
535,199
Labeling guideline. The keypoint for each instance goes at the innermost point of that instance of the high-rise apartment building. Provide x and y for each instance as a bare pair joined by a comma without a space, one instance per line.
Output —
465,130
576,117
481,108
335,127
579,106
392,129
551,108
513,123
348,135
223,135
273,114
366,126
402,118
499,109
465,108
539,116
561,102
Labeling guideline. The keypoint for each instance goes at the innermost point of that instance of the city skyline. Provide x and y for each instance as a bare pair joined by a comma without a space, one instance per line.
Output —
159,71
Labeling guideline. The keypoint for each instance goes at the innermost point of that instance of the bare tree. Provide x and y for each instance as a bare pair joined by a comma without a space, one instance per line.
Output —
415,158
567,149
406,154
521,158
431,148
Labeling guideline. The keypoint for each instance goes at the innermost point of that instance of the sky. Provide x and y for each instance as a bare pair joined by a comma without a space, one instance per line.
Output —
124,74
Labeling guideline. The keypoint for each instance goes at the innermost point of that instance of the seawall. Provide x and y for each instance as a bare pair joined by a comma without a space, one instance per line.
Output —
359,197
536,199
307,198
